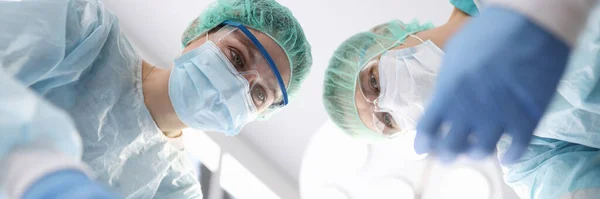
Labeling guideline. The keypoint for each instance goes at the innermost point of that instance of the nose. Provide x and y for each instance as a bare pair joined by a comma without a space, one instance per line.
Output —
252,76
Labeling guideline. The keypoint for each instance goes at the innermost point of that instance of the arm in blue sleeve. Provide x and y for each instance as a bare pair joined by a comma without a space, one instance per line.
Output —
36,138
40,149
563,19
574,114
67,184
39,38
26,119
554,169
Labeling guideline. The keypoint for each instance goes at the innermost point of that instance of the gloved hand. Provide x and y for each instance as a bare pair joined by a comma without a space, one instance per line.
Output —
498,76
67,184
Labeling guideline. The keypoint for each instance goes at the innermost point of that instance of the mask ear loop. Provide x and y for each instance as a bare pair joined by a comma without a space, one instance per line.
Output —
413,36
207,33
416,37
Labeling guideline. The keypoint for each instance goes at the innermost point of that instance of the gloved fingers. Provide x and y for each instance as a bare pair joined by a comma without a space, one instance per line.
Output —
519,143
454,142
427,129
520,127
485,143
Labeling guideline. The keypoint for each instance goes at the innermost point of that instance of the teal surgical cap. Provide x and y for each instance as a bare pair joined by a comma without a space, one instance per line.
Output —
268,17
467,6
345,64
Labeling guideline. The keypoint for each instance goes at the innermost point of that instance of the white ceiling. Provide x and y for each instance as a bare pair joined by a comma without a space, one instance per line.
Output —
155,27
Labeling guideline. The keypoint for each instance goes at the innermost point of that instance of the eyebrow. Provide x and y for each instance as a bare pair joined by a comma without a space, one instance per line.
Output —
244,39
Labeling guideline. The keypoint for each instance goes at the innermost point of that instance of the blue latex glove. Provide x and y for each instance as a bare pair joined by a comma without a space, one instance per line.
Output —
67,184
498,76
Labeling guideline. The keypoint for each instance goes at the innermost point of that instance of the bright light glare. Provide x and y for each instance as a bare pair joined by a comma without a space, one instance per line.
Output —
331,155
391,188
465,183
402,145
332,193
242,184
202,148
336,153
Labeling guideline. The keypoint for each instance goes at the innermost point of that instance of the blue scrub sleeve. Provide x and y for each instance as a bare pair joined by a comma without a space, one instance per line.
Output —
554,169
25,118
38,38
30,125
574,114
67,184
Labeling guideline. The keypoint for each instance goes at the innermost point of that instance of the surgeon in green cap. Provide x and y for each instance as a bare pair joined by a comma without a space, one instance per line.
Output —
351,80
361,92
378,83
242,60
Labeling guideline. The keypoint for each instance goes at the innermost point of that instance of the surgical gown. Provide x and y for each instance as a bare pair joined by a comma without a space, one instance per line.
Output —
73,54
36,138
563,159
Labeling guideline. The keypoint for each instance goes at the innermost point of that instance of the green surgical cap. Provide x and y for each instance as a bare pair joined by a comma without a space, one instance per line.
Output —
347,61
268,17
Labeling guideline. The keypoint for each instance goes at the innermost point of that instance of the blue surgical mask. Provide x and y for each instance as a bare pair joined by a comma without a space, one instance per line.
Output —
208,93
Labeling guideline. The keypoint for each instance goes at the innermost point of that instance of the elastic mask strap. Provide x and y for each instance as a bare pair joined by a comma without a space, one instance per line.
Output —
265,54
418,38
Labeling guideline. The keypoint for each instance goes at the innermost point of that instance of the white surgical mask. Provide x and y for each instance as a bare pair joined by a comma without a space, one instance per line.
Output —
407,78
208,93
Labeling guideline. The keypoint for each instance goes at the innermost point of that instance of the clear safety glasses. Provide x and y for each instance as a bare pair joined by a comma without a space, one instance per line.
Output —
370,88
394,88
251,59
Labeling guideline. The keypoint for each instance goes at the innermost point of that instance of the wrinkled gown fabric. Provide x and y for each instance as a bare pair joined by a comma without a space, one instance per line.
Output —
563,159
73,53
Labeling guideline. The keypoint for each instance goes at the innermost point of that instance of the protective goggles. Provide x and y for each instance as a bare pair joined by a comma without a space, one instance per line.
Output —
370,87
251,60
398,84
